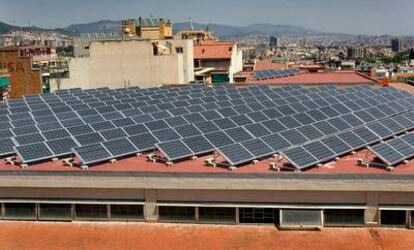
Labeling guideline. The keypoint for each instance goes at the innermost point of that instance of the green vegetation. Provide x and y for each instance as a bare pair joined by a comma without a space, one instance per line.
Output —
397,59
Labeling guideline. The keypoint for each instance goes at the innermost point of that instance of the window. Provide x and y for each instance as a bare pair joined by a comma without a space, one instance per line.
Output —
20,211
91,211
412,219
393,217
301,218
344,217
127,212
55,212
176,214
179,50
217,215
259,215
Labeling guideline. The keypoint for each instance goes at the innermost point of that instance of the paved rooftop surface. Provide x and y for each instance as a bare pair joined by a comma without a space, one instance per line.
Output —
346,164
36,235
342,77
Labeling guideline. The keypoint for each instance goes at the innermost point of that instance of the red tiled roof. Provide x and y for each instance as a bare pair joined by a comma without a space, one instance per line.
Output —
267,65
213,50
343,77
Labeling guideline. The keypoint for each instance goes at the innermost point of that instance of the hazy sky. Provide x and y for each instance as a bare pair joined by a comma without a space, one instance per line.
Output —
348,16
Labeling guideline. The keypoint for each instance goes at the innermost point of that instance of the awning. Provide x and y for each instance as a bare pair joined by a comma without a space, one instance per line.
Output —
4,82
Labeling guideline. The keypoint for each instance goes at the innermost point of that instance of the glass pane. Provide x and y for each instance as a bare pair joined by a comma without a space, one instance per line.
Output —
20,210
344,217
393,218
217,215
89,211
55,212
177,214
127,212
301,218
259,215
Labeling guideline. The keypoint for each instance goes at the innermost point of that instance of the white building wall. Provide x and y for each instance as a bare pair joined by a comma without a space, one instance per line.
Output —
236,64
119,64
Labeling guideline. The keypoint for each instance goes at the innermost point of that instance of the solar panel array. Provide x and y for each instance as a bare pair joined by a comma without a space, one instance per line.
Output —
305,124
396,150
274,73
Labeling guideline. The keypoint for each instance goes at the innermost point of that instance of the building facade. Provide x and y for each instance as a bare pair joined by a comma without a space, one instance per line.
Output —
217,61
397,45
24,79
124,63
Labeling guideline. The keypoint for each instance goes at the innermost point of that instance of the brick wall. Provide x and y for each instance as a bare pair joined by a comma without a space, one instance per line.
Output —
23,80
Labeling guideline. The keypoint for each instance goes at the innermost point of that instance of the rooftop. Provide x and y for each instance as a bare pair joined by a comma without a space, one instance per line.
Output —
211,49
35,235
159,156
339,77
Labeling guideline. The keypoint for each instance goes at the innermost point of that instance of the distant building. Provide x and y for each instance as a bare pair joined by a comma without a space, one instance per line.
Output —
196,35
24,80
4,83
217,61
356,53
274,43
81,44
148,27
397,45
124,63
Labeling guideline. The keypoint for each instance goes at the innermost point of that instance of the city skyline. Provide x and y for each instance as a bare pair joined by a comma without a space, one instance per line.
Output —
351,17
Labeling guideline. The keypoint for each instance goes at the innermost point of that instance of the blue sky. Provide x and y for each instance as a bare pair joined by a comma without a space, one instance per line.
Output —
347,16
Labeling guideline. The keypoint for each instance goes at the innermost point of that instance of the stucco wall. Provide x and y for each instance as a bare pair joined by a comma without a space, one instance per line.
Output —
119,64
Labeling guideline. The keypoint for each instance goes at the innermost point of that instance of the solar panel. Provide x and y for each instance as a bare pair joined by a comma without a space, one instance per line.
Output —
339,123
25,130
33,152
56,134
319,151
92,154
235,154
352,140
238,134
89,139
102,125
257,148
274,126
257,129
293,136
379,129
289,122
276,142
174,150
49,126
392,125
198,144
112,134
206,127
28,139
402,147
387,154
165,135
219,139
62,147
176,121
144,142
187,130
79,130
337,145
120,147
310,132
156,125
299,158
367,135
6,146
